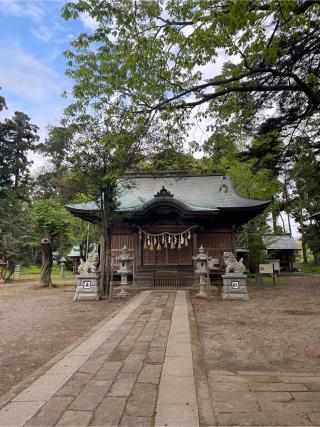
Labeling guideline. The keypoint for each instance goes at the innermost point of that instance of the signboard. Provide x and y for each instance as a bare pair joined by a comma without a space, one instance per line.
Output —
276,264
266,268
87,284
235,284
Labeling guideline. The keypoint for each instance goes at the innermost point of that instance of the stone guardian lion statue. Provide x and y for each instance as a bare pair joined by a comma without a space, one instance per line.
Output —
91,265
232,265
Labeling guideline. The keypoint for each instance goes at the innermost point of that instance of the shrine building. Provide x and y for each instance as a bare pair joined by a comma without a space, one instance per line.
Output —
167,216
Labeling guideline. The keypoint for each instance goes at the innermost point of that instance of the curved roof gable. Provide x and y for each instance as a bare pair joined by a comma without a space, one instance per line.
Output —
209,193
198,192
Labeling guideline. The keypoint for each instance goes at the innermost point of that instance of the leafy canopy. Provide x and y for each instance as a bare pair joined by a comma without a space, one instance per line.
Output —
18,136
150,56
51,218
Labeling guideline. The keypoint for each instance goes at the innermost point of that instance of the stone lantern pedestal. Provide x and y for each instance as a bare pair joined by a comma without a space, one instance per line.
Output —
202,271
124,271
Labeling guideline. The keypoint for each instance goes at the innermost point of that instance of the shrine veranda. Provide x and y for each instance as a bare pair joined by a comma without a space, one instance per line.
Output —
168,216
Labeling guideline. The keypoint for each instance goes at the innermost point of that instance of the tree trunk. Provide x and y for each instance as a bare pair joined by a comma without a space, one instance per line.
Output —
303,240
274,221
287,201
16,180
283,225
35,256
316,258
108,259
289,224
45,278
106,237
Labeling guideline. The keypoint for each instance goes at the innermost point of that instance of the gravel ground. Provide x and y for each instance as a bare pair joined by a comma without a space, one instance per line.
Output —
36,324
278,329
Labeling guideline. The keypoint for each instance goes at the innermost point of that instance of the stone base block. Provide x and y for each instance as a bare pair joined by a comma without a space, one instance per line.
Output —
88,287
234,287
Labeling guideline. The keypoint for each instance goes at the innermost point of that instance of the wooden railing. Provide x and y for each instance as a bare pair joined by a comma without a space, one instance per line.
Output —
167,278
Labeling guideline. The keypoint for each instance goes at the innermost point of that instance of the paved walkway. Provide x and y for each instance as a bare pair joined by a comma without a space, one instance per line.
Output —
144,367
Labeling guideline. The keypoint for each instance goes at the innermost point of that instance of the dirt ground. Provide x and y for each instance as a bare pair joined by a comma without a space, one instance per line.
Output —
278,329
36,324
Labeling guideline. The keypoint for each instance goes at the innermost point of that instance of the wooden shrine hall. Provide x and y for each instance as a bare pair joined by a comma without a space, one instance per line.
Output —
168,216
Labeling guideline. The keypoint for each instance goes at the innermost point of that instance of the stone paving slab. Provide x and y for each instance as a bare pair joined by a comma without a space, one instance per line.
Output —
265,398
145,367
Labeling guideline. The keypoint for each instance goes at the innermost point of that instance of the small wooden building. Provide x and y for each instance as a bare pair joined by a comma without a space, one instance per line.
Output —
282,247
75,256
168,216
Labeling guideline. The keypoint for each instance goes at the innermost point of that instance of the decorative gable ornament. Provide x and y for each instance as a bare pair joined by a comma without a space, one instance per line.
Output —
163,193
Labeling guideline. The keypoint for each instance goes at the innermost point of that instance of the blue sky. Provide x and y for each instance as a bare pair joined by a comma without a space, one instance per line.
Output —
32,65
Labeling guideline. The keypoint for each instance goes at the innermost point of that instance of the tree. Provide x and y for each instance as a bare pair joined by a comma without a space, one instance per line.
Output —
15,228
223,156
99,155
3,104
312,235
17,137
153,54
52,219
170,159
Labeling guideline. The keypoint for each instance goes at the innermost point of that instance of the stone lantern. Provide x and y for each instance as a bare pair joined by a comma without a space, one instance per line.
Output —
202,271
62,265
124,270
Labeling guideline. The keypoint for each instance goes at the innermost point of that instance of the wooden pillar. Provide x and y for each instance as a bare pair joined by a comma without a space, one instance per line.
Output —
194,243
136,241
194,253
234,239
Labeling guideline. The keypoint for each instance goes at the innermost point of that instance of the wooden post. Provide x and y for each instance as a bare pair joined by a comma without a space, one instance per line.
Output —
136,242
194,243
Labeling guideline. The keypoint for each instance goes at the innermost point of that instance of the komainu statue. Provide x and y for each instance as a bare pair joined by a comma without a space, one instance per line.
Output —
91,265
232,265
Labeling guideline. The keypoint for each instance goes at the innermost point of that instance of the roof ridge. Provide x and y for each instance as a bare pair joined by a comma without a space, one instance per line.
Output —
168,174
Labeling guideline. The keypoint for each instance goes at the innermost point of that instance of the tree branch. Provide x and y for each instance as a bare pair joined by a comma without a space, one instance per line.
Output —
244,88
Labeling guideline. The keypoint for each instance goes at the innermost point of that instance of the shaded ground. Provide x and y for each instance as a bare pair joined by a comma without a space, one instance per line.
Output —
36,324
277,330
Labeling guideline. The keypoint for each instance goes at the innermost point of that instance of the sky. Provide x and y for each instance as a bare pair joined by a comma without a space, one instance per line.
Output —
32,66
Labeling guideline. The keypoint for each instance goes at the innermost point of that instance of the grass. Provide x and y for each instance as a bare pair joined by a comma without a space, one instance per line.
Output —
36,269
310,268
265,280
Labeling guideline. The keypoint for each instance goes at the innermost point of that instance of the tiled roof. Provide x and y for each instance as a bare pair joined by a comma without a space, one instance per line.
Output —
279,242
75,252
195,193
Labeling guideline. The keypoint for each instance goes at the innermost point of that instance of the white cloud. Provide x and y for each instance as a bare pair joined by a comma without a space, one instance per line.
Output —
22,8
26,76
42,33
88,22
